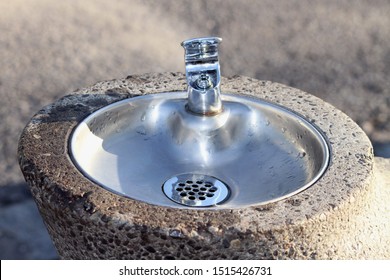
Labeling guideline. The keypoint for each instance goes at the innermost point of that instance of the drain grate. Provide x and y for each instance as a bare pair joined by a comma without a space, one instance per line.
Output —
196,190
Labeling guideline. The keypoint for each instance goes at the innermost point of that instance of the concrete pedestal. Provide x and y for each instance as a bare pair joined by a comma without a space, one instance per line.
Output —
345,215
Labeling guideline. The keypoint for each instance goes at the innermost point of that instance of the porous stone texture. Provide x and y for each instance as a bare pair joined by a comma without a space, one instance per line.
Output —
85,221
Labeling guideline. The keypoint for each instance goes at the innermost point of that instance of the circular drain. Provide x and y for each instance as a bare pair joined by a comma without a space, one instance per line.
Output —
196,190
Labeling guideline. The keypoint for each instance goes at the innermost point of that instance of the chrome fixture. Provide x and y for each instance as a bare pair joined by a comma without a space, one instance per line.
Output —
254,152
203,75
185,149
196,190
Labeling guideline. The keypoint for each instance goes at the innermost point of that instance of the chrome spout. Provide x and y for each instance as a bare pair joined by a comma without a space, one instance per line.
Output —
203,75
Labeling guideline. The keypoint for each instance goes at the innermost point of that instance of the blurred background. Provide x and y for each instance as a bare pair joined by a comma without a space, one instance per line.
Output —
337,50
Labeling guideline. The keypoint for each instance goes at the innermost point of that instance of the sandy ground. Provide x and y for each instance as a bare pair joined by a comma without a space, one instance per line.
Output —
337,50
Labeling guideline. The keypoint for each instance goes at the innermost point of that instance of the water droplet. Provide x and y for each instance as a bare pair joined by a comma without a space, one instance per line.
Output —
301,155
267,123
143,117
284,129
141,130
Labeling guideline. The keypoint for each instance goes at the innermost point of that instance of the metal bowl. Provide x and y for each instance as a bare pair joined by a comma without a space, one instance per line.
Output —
145,148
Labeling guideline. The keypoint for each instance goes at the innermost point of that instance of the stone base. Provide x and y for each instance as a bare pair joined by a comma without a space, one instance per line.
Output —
340,217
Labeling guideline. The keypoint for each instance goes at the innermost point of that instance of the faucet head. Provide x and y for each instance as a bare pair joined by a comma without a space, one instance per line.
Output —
201,49
203,75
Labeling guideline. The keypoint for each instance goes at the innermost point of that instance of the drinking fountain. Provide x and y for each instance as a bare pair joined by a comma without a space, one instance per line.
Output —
198,166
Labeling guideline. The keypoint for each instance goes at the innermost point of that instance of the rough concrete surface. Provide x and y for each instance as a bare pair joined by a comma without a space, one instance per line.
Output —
337,50
329,220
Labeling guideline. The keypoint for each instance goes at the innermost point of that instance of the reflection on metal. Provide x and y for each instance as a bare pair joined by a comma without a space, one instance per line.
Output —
262,151
203,75
196,190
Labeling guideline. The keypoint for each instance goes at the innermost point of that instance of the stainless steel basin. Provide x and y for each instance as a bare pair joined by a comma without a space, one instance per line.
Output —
255,151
